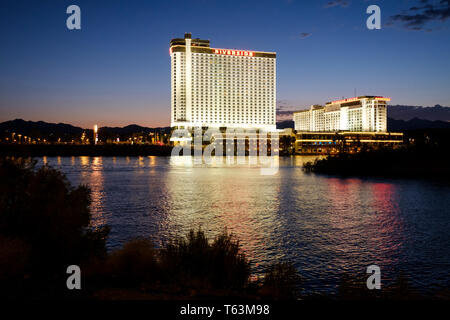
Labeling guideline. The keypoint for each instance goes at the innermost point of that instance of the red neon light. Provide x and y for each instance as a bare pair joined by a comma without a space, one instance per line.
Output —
345,100
231,52
383,98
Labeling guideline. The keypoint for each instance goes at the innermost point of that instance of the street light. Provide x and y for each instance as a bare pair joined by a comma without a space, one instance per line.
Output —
95,134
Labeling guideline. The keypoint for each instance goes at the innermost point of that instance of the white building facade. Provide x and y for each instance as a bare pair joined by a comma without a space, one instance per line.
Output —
221,88
359,114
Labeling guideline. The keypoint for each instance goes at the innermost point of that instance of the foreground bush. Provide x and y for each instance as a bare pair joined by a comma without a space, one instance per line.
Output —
135,263
191,267
281,281
351,289
186,266
44,225
194,260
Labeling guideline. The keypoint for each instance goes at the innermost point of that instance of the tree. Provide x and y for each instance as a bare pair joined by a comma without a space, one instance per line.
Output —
49,219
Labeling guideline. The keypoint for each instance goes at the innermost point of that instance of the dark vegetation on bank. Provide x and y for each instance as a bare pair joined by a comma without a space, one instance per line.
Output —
39,150
45,227
425,155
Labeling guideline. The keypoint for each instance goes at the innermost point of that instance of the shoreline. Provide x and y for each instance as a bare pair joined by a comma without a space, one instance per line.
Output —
72,150
101,150
395,164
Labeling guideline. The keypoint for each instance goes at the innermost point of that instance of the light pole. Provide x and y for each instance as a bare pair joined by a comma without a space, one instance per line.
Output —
95,134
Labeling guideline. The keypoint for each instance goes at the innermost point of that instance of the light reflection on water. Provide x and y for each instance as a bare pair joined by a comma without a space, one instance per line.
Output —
325,225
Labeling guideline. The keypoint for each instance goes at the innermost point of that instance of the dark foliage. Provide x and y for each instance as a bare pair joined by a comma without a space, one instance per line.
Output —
44,223
424,155
193,260
132,265
192,267
281,281
350,288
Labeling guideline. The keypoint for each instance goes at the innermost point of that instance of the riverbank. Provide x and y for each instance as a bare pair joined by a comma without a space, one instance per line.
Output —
49,150
402,163
107,150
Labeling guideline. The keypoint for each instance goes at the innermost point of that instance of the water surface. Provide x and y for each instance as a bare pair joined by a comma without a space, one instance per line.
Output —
326,226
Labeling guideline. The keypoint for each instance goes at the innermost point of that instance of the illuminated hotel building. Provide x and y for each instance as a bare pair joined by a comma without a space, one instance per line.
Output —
359,114
221,87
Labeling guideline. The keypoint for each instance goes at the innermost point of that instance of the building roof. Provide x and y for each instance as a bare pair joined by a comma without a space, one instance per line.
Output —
203,46
358,98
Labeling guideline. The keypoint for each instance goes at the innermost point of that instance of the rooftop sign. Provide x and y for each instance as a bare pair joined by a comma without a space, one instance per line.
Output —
359,98
231,52
382,99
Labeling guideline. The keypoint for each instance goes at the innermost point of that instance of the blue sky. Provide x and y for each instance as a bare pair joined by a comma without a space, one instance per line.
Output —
115,70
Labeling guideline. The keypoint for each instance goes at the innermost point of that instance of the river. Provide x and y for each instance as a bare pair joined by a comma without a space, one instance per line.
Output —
326,226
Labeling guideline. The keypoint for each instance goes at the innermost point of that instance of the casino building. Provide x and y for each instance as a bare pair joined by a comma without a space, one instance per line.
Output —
344,125
360,114
212,87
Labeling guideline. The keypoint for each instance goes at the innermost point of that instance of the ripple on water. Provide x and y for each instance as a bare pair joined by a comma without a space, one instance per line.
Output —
326,226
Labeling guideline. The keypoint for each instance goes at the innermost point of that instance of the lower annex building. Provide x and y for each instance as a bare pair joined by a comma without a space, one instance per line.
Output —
344,124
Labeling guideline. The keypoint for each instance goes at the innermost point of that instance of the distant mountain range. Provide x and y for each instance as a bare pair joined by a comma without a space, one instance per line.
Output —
436,113
41,129
413,124
27,127
285,124
132,128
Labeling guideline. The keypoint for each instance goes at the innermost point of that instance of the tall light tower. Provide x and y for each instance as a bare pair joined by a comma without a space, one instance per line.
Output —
95,134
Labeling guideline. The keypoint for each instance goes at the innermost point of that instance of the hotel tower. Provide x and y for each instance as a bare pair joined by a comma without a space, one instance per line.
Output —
358,114
212,87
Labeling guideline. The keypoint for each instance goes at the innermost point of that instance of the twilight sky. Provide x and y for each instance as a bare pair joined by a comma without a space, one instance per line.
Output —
115,70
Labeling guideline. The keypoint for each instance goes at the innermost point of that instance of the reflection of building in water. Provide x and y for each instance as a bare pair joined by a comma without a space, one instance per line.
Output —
226,197
365,218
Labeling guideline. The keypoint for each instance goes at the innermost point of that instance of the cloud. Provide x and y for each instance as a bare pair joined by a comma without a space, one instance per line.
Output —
285,110
337,3
304,35
284,105
415,18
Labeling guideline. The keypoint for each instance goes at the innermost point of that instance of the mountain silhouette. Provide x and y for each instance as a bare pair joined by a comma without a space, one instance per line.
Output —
42,129
53,131
436,113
